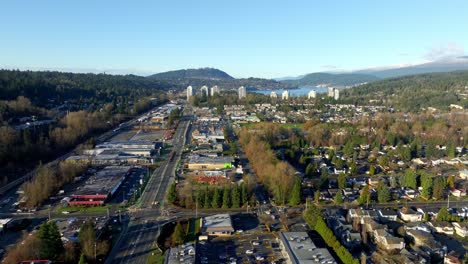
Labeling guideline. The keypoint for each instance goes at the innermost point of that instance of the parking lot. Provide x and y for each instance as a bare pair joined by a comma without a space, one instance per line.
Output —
250,244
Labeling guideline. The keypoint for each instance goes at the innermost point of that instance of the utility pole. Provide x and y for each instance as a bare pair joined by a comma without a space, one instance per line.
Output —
448,201
196,208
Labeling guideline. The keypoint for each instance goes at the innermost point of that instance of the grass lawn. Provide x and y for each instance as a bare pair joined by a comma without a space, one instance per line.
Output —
83,209
155,257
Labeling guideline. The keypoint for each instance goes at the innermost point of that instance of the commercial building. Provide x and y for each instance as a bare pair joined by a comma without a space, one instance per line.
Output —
217,225
100,187
285,95
242,92
201,162
300,249
189,92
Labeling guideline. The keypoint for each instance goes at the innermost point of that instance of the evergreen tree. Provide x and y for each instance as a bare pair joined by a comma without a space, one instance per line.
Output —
410,179
87,238
178,236
426,184
51,242
439,188
364,197
216,202
342,181
295,197
199,196
338,198
383,193
244,194
172,193
226,198
371,170
451,181
353,168
235,197
207,198
82,259
309,171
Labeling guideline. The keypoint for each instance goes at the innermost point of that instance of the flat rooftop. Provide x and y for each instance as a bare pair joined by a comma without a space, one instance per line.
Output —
217,222
301,249
104,182
197,159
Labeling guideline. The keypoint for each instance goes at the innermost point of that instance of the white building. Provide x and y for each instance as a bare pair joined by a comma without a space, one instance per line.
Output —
312,94
217,225
331,92
298,248
242,92
285,95
336,94
273,95
204,90
189,92
214,90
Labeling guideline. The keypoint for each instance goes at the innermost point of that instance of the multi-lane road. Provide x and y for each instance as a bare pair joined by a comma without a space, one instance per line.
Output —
138,239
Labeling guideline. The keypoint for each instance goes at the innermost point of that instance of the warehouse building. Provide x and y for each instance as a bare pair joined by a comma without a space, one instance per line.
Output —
100,187
217,225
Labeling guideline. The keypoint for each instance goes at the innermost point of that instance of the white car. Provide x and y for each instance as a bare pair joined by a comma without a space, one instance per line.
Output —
259,257
249,251
256,243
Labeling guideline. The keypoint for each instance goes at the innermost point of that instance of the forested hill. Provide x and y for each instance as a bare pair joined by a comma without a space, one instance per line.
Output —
414,93
41,86
211,77
331,79
202,73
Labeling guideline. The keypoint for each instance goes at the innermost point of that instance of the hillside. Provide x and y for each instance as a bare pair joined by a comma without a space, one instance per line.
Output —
330,79
446,65
201,73
414,93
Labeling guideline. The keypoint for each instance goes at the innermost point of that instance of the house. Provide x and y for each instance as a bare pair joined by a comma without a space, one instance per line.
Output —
388,242
464,174
181,254
409,215
461,228
387,215
452,258
442,227
460,192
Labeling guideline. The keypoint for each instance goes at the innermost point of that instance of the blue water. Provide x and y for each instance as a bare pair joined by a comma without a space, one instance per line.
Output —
301,91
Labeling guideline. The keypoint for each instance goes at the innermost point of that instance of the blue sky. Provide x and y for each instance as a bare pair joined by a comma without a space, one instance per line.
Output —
244,38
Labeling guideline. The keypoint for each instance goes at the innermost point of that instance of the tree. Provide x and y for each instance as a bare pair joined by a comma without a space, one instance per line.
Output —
87,238
216,202
244,194
439,188
235,197
178,236
316,197
207,198
82,259
364,197
383,193
310,170
342,181
353,169
371,170
172,193
451,181
51,242
199,198
426,184
338,198
295,197
410,179
226,198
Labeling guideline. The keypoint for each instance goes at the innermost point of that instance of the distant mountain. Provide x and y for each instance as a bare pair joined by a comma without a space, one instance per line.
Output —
201,73
445,65
331,79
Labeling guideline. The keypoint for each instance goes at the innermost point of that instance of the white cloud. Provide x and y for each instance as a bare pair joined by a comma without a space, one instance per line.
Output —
444,51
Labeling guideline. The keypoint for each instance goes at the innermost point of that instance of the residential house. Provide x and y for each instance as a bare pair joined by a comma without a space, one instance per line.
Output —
442,227
387,215
409,215
386,241
461,228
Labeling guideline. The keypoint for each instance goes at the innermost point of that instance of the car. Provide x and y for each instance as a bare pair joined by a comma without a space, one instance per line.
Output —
240,231
65,212
249,251
256,243
259,257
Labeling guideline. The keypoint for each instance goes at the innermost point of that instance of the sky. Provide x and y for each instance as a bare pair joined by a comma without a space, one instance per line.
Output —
244,38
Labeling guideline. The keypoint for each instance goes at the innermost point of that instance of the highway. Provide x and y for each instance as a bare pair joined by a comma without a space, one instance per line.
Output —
138,239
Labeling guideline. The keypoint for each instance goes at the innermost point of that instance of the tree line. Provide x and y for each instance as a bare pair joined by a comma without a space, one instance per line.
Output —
314,218
47,244
210,197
